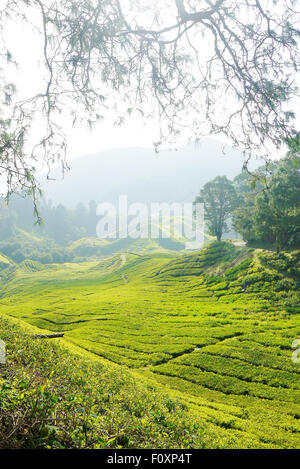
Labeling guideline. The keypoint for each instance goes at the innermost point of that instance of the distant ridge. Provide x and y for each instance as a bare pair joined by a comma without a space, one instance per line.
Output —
142,174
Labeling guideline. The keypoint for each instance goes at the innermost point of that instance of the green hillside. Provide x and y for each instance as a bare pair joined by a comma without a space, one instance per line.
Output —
87,248
4,261
53,395
212,329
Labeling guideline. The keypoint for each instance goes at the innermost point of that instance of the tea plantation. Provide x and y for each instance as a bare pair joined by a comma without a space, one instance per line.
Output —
212,330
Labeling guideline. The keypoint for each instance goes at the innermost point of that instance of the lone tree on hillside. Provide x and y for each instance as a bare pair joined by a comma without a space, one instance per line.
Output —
209,67
219,199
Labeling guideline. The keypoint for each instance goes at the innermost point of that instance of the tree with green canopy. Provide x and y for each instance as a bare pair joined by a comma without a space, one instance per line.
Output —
277,210
268,209
219,199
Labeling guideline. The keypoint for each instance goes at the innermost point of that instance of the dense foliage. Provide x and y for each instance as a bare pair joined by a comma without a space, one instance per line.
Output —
61,224
21,238
269,212
65,236
51,397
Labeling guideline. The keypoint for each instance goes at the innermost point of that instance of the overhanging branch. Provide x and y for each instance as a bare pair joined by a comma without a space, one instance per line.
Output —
197,16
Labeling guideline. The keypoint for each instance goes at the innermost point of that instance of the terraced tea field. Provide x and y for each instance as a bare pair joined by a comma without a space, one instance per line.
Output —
213,328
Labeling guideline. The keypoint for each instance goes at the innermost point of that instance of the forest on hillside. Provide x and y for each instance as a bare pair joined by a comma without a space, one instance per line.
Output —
263,207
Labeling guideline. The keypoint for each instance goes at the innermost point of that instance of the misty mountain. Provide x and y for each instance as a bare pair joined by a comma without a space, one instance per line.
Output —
142,174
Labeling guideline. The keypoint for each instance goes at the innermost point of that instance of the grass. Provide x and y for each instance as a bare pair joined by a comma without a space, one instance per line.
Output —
53,396
212,329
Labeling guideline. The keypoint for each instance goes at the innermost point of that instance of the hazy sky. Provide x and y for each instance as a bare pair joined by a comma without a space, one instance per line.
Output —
26,47
81,140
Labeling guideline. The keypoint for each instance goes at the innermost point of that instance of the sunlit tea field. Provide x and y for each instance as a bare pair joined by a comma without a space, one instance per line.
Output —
212,328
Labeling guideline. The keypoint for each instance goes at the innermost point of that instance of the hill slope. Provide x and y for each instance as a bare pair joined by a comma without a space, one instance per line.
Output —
213,328
53,395
143,175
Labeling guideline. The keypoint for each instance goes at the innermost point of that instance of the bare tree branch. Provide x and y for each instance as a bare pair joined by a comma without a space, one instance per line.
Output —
227,68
